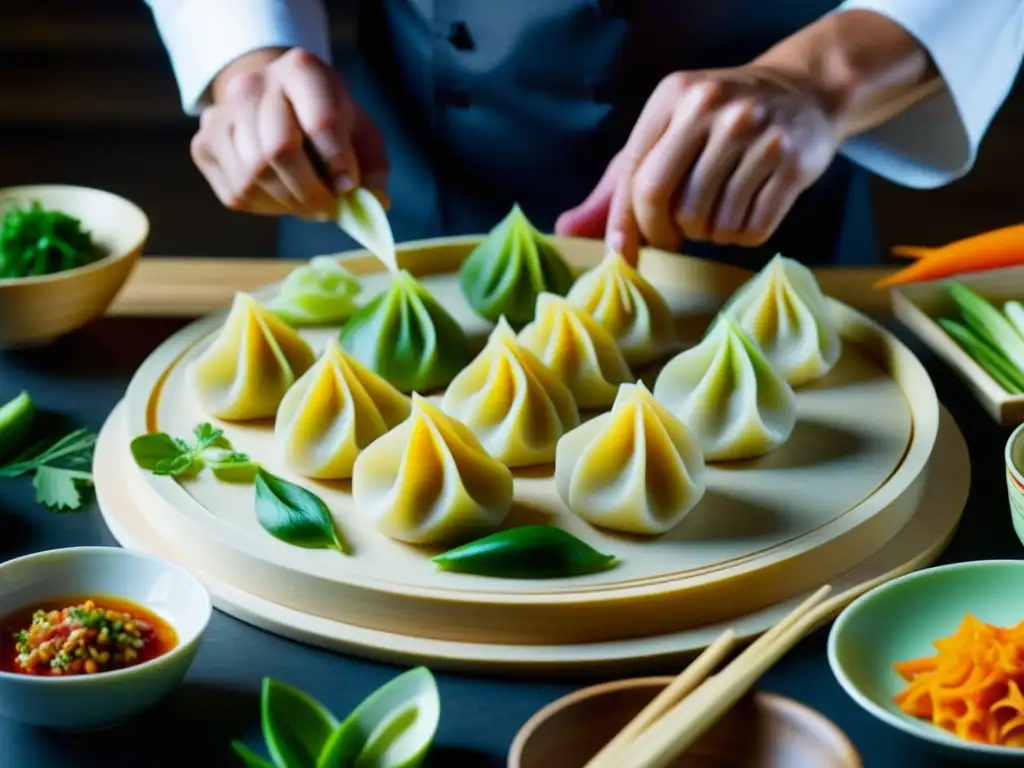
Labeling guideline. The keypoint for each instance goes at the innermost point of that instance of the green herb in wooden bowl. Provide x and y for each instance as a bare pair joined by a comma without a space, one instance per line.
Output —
39,241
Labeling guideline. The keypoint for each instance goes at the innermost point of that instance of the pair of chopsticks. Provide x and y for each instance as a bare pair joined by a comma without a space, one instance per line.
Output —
695,700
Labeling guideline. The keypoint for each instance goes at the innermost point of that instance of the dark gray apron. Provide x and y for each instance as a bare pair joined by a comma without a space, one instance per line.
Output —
488,102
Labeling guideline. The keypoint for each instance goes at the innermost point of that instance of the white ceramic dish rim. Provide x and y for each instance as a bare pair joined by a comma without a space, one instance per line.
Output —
918,728
99,264
184,646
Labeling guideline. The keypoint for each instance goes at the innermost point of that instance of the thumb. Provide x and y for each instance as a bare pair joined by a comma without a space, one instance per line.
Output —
588,219
371,152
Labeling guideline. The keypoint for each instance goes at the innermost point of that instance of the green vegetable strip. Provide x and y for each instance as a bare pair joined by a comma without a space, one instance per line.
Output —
997,366
1014,312
989,323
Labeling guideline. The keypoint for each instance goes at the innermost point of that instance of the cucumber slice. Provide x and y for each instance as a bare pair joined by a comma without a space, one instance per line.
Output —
16,419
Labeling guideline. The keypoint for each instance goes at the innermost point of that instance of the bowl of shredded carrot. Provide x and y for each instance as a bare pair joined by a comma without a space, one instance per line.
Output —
939,655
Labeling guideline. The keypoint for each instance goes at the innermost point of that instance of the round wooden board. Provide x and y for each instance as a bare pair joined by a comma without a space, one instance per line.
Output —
850,476
916,546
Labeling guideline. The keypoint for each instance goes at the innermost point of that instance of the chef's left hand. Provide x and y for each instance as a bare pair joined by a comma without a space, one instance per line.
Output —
717,155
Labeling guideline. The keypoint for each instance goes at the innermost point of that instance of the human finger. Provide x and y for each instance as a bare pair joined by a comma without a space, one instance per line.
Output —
257,178
589,218
371,153
754,169
771,205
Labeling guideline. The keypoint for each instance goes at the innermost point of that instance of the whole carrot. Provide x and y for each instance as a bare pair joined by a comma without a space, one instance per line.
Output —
990,250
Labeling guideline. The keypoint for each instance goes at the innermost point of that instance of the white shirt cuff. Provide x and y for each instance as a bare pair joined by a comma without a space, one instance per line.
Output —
977,48
204,36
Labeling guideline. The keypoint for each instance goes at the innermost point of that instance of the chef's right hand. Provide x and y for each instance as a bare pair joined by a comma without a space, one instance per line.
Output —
270,109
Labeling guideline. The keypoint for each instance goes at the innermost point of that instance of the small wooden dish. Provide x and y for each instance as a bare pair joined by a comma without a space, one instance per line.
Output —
762,731
35,310
918,306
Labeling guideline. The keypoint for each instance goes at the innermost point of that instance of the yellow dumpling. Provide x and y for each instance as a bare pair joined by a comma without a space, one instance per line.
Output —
430,481
580,351
628,307
635,469
336,409
249,366
512,402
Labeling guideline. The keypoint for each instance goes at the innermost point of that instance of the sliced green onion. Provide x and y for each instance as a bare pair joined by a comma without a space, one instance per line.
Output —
989,323
994,363
1014,312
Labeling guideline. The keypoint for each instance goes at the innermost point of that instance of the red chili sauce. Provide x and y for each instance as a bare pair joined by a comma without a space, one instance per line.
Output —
82,636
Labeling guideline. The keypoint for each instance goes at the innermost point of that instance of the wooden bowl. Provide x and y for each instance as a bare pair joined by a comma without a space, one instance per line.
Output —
762,731
35,310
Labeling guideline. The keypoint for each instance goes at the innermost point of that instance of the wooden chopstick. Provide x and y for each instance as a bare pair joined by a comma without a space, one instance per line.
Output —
685,682
686,722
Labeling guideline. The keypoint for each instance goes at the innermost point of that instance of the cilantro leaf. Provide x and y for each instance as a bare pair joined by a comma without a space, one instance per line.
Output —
59,489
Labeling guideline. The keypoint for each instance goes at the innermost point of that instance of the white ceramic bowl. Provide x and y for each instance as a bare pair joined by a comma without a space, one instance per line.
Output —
1014,457
94,701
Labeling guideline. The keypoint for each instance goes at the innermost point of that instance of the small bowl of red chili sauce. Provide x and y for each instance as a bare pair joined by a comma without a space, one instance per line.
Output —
91,636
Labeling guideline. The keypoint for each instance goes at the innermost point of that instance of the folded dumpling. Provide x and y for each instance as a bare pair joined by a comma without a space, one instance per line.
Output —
579,351
249,366
407,337
334,411
511,266
784,310
629,308
729,396
636,468
514,404
430,481
321,292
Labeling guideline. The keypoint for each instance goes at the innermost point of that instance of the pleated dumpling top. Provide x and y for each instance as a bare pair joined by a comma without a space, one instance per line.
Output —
337,408
430,481
628,307
512,402
729,396
251,363
784,310
636,468
578,349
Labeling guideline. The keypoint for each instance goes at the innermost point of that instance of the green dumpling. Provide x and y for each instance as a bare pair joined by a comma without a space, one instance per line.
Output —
406,337
506,272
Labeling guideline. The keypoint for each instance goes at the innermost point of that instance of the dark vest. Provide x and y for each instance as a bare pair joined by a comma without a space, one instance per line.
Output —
488,102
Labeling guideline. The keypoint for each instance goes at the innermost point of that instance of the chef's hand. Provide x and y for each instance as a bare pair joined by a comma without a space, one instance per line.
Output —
718,155
271,109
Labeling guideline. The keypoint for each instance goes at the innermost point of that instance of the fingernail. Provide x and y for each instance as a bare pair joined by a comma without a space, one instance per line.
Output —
616,241
344,183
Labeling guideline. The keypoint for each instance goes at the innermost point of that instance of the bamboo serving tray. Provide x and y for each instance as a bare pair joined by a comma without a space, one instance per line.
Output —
919,305
850,478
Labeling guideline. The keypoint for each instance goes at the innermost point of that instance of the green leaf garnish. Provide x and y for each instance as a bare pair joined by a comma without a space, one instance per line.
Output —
171,456
35,241
57,466
295,725
394,727
250,758
294,515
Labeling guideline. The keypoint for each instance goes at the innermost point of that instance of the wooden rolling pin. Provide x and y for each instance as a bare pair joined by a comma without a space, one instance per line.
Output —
191,287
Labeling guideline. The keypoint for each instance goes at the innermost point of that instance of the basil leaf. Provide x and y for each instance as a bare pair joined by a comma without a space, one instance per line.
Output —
175,467
295,725
149,450
293,514
250,758
394,727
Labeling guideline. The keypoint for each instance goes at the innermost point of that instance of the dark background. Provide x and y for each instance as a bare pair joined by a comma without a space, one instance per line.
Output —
87,96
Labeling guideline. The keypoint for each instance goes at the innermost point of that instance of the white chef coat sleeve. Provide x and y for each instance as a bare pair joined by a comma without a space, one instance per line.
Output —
204,36
977,47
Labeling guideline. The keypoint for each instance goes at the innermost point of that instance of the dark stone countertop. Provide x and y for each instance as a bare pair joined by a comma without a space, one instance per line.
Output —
84,376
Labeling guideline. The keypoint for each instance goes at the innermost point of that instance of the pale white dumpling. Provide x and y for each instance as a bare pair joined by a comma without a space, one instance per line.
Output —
251,363
731,398
337,408
578,349
512,402
784,310
430,481
628,307
635,469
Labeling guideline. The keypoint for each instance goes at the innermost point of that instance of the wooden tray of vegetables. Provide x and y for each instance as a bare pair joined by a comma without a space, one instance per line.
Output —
524,442
965,301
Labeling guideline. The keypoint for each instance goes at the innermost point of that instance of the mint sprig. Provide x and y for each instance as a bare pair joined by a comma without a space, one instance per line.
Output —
166,455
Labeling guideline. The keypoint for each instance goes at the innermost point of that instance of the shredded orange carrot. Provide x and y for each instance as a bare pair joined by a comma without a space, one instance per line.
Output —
989,250
911,251
973,686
